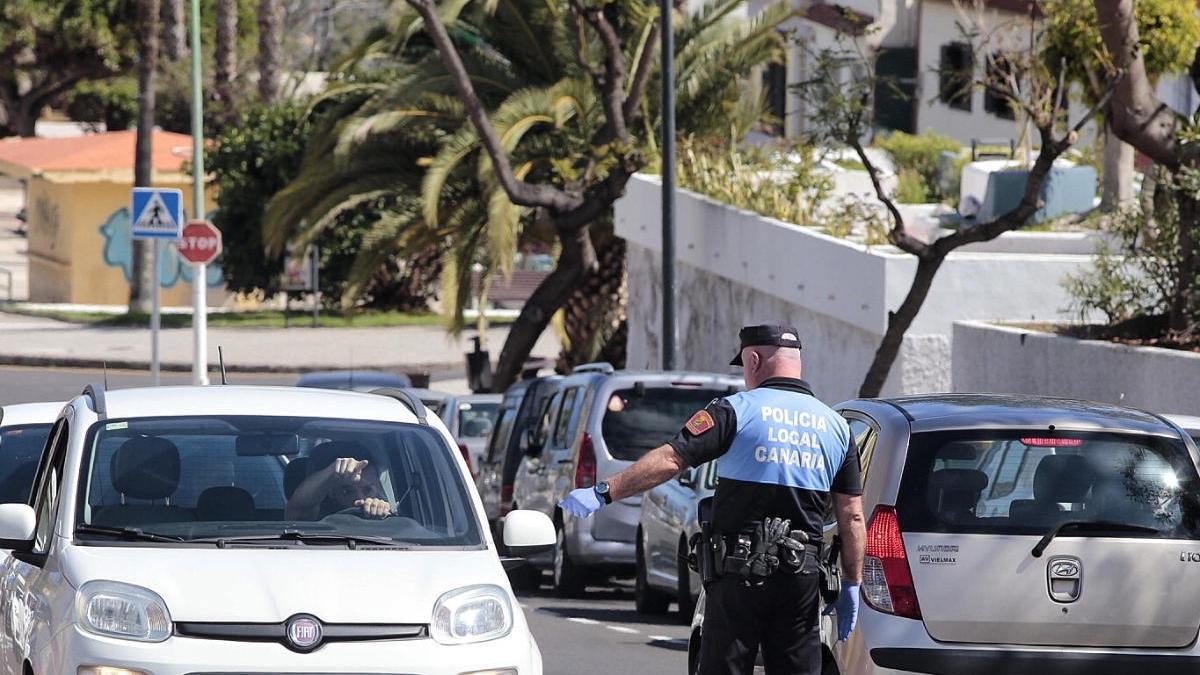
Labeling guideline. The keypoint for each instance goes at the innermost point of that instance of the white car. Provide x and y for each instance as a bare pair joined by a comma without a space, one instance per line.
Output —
226,529
23,431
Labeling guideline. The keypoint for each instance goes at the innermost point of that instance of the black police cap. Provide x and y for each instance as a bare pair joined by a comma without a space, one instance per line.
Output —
766,335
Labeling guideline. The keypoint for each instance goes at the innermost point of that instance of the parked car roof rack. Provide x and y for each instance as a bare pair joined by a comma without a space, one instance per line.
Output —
95,392
597,367
405,397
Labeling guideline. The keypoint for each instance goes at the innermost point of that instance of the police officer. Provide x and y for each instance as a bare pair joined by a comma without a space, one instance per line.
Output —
784,456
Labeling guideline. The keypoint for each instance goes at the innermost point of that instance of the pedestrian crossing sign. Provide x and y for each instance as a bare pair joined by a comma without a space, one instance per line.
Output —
157,213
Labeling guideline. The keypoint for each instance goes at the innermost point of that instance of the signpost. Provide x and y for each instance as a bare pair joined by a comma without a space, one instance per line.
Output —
156,213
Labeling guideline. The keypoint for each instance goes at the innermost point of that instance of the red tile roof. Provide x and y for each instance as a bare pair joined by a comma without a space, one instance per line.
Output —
841,18
94,152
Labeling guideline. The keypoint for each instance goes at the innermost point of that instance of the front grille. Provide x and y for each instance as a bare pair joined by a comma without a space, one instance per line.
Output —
277,632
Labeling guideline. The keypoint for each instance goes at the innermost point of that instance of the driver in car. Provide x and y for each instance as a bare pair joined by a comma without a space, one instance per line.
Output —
346,482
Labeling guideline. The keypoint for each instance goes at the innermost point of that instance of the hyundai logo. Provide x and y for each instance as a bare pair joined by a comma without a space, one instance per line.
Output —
1065,569
303,633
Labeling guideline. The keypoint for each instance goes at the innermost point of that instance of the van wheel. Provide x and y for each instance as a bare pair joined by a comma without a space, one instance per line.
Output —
647,600
683,589
525,578
568,579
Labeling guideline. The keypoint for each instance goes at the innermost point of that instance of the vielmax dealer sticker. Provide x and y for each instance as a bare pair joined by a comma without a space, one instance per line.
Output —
937,554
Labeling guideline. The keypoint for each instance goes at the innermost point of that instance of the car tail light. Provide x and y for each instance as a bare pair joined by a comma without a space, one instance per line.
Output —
887,582
462,447
506,492
585,466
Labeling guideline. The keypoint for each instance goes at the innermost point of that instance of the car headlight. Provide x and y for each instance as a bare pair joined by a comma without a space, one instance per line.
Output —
471,614
115,609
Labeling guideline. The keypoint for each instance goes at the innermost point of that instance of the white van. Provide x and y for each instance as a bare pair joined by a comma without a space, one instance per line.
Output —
229,529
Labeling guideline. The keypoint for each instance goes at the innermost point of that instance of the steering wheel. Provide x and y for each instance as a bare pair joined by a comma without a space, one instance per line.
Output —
357,511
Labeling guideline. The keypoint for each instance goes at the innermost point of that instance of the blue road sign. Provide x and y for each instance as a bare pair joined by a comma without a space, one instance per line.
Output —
157,213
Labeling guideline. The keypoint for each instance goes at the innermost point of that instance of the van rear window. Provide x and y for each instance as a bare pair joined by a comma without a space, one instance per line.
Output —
638,420
1026,482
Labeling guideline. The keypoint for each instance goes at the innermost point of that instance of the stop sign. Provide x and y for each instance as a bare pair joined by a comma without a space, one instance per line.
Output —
199,243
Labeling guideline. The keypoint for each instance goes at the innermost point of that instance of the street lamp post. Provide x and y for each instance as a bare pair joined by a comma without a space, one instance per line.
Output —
200,272
668,186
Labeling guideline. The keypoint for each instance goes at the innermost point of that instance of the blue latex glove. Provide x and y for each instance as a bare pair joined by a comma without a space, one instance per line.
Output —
847,609
581,503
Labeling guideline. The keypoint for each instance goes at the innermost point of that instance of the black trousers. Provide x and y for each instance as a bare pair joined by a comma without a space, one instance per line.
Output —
780,614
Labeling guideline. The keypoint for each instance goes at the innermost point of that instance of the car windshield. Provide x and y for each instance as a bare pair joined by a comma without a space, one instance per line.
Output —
245,476
20,450
638,420
1028,482
475,420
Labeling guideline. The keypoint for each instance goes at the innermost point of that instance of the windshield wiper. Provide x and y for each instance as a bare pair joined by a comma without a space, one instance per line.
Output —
1087,525
130,533
350,540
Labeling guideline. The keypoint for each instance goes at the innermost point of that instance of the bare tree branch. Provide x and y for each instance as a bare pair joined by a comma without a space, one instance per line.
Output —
519,191
641,73
612,83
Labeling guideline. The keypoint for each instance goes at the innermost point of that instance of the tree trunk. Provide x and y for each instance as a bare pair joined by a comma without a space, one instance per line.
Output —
143,276
269,20
575,261
595,312
226,52
1183,304
1117,189
174,35
898,324
24,120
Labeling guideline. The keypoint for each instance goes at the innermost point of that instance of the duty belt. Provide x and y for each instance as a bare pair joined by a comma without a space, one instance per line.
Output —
764,548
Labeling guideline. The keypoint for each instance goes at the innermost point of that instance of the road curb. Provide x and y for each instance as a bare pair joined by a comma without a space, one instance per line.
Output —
213,367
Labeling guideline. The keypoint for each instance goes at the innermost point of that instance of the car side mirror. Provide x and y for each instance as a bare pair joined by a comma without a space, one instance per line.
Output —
528,533
17,525
533,442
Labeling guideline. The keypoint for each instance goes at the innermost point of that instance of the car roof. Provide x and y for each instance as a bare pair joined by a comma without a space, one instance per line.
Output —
933,412
689,376
428,394
357,378
21,414
479,398
1189,423
253,400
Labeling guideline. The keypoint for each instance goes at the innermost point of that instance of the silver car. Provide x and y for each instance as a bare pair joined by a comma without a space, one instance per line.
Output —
1014,534
470,419
667,523
600,421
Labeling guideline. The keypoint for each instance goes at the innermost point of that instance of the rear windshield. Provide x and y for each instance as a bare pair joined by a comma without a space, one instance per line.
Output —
1026,482
475,420
266,476
20,449
639,420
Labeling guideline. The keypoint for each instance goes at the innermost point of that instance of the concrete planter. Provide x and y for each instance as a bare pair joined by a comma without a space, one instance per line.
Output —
988,357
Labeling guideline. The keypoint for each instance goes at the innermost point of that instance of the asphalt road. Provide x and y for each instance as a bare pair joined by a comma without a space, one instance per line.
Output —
602,634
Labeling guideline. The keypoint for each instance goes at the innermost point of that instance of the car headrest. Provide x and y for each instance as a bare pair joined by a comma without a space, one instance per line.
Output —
1062,478
324,454
225,502
294,474
955,489
146,467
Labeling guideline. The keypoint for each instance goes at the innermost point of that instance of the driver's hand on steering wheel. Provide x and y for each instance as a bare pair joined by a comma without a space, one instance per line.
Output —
348,469
374,507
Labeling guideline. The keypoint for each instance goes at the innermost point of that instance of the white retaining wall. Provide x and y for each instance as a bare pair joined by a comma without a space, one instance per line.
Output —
1005,359
736,268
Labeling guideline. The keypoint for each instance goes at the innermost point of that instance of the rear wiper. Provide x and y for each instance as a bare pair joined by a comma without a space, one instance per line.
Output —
1087,525
350,540
131,533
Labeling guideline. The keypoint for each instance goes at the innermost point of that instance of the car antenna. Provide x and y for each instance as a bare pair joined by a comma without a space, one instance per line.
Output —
221,360
105,374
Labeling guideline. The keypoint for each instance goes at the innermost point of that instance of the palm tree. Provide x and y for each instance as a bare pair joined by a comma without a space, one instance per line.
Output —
143,276
269,19
521,56
226,51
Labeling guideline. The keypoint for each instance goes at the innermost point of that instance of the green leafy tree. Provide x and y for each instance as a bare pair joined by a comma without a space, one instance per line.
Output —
47,46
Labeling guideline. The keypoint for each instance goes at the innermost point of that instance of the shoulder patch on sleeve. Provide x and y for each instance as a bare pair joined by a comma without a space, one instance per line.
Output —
701,422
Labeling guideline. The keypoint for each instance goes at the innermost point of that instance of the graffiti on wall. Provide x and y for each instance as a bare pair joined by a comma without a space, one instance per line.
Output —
172,269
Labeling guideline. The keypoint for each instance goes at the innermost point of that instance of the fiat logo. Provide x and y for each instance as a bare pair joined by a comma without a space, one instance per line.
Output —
303,633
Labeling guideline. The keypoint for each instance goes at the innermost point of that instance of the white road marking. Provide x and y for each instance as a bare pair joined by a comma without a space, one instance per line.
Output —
579,619
622,629
662,638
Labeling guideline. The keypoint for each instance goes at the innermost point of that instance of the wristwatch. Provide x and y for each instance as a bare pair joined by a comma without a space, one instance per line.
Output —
602,492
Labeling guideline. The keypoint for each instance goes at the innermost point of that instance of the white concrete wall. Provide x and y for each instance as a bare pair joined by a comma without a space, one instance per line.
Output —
737,268
1003,359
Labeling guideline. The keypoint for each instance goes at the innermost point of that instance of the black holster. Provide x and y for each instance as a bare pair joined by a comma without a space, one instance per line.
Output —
830,572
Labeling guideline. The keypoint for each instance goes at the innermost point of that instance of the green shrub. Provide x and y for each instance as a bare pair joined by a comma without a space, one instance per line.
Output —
787,186
911,188
919,153
113,102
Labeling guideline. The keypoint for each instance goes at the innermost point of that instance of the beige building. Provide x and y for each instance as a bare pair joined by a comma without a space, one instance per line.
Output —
77,201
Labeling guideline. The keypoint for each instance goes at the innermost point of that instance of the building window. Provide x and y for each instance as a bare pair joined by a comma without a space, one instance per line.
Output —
775,87
1000,73
896,89
955,70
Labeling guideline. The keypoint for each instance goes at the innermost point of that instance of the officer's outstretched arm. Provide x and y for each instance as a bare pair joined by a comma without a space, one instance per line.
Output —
654,468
